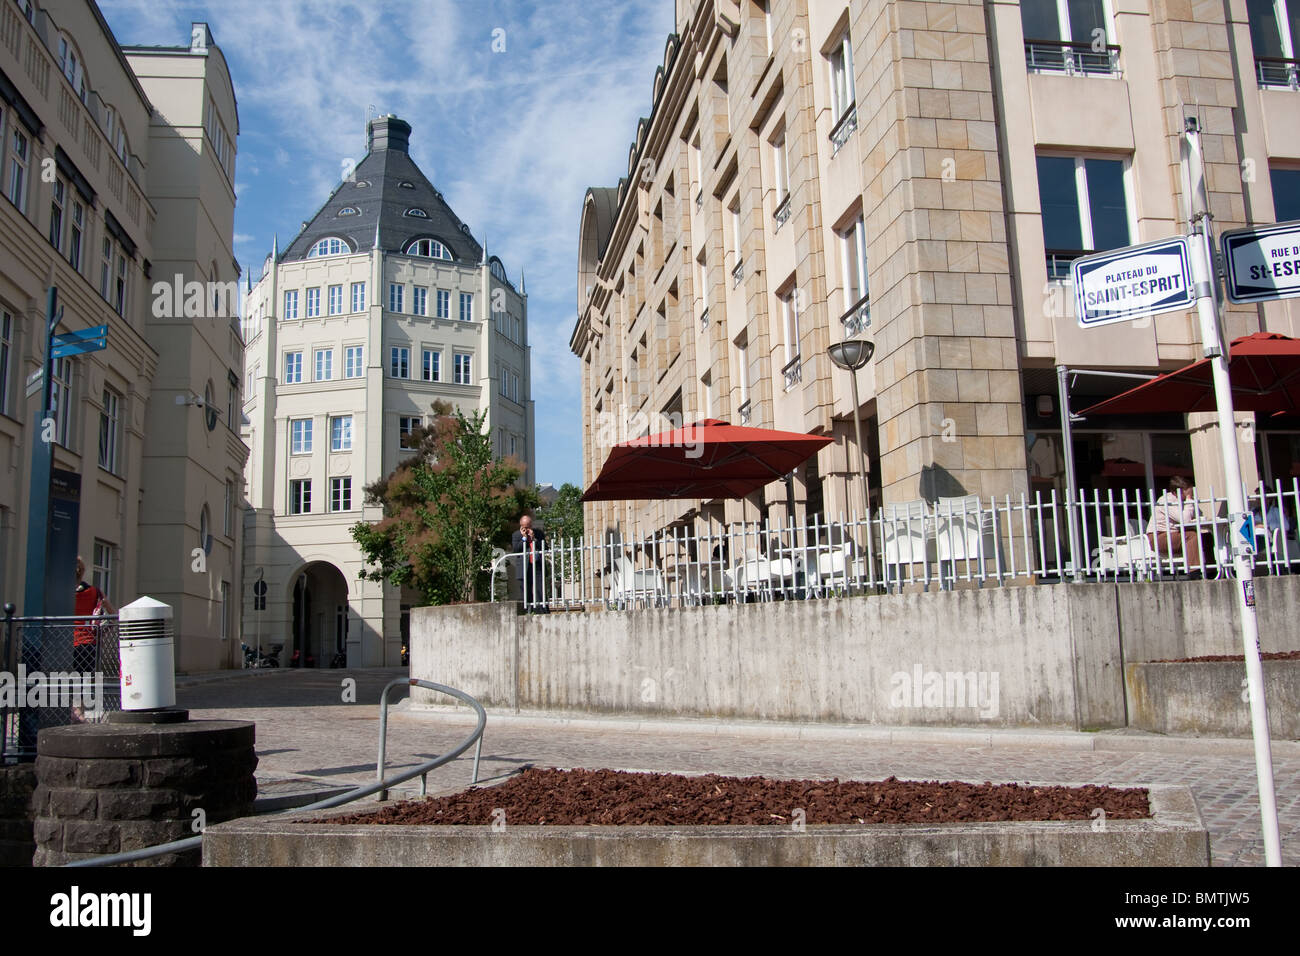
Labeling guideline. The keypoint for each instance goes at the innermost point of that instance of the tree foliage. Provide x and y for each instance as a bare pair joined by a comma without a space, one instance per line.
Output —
562,519
444,509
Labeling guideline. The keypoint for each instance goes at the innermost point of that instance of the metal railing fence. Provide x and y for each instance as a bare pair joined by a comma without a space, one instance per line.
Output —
964,541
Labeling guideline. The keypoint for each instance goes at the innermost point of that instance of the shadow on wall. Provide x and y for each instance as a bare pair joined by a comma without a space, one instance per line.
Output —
937,482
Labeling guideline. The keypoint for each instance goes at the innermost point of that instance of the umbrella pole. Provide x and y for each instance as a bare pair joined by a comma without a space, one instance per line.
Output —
1212,342
1071,489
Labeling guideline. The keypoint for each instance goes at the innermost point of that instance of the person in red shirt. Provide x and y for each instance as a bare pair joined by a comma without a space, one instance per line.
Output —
90,602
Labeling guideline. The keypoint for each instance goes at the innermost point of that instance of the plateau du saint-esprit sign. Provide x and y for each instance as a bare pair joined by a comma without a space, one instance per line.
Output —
1262,263
1133,282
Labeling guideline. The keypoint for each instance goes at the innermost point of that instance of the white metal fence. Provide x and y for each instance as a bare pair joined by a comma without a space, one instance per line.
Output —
966,541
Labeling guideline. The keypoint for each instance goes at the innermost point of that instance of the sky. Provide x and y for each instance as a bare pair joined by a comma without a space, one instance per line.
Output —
516,109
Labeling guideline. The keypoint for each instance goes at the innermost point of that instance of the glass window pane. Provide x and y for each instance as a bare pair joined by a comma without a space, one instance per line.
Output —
1264,34
1060,202
1106,197
1286,188
1039,20
1085,17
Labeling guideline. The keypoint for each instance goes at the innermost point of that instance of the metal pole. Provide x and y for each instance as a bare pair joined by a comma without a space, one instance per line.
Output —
38,514
1071,488
1216,350
862,449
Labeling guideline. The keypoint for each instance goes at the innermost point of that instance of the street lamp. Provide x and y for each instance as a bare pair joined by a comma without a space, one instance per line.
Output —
851,355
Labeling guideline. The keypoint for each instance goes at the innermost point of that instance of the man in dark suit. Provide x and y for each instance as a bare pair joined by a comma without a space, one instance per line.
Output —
528,543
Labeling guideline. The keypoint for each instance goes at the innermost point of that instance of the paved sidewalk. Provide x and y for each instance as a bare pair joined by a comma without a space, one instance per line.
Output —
309,739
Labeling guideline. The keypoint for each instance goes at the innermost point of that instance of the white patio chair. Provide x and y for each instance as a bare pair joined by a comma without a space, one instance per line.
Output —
906,537
753,575
1128,553
629,584
965,535
838,566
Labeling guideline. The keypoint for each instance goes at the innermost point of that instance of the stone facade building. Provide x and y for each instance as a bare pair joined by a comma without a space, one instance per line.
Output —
382,304
921,174
117,170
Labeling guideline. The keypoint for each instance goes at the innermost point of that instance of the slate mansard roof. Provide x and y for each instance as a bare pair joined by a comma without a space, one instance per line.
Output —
384,188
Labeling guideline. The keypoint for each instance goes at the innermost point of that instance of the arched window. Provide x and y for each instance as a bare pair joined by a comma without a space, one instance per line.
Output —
205,530
417,213
349,211
429,249
330,246
497,269
406,185
209,409
71,65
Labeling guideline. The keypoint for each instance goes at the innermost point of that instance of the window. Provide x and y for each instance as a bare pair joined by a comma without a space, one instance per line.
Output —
28,11
102,575
358,297
56,215
395,294
420,301
444,304
467,306
742,371
841,76
405,426
119,285
1286,194
105,266
352,361
780,168
738,269
225,610
313,303
221,143
62,400
341,494
341,433
300,436
416,213
1068,36
349,211
300,497
75,233
432,365
291,304
110,431
324,365
331,246
228,522
790,323
1085,208
765,11
69,63
853,262
6,358
16,188
232,402
292,368
428,248
461,370
1274,33
399,364
336,300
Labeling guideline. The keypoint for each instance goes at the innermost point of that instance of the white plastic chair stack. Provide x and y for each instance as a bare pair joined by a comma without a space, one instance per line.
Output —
904,537
966,540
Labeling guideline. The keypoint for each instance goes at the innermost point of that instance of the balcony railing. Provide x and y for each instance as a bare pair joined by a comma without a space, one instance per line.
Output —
699,200
744,411
737,273
704,320
844,128
1057,56
782,212
857,318
1276,71
793,372
1058,263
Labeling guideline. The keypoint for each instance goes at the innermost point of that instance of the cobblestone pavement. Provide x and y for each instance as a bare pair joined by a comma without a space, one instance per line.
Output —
309,739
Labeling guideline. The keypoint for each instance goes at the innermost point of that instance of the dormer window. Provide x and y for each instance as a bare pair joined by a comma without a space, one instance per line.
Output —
363,183
349,211
406,185
330,246
417,213
71,66
429,249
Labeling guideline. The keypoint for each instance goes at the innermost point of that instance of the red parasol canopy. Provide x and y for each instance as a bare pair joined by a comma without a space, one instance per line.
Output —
709,459
1264,369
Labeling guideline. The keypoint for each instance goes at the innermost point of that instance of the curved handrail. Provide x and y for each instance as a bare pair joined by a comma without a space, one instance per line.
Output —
192,843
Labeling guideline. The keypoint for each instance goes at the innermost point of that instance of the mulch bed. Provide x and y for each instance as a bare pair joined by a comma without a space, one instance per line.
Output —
1239,658
617,798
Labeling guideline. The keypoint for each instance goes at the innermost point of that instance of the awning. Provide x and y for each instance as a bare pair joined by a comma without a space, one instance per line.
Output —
709,459
1264,369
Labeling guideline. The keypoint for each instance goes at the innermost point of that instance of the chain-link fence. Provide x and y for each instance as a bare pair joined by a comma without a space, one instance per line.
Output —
57,671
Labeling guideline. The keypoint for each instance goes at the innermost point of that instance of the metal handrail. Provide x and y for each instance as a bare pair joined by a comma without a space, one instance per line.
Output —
383,727
421,770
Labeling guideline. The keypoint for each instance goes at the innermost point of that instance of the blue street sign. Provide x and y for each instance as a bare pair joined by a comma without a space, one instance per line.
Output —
94,332
1133,282
77,343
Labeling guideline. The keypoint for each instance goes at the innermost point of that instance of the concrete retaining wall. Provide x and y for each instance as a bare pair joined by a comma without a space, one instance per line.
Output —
1209,698
1044,656
1174,836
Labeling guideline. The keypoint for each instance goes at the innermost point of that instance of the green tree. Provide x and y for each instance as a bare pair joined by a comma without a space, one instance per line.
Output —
562,518
444,507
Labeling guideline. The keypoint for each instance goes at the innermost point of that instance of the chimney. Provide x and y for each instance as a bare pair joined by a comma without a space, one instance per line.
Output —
388,132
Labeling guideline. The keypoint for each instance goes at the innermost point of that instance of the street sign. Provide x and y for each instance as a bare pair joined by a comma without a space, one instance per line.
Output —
1262,263
1133,282
77,343
1247,531
35,381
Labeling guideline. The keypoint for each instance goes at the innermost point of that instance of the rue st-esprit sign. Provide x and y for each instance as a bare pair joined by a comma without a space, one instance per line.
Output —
1262,263
1130,283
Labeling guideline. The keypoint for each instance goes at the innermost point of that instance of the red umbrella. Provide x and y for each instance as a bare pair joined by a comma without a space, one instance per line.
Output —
709,459
1264,369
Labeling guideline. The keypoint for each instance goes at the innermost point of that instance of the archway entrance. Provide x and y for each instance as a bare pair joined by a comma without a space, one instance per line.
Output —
320,615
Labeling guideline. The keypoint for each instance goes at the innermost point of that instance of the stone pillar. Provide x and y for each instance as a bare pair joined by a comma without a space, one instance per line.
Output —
17,784
112,787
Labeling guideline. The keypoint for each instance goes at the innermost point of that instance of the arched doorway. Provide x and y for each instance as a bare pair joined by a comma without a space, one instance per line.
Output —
319,599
